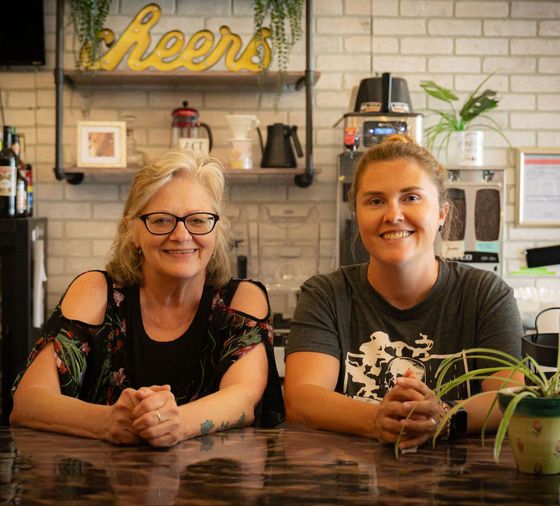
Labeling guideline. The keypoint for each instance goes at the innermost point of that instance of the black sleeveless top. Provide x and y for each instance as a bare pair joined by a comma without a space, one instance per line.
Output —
97,362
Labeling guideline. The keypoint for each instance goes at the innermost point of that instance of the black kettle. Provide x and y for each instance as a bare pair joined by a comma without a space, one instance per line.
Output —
278,151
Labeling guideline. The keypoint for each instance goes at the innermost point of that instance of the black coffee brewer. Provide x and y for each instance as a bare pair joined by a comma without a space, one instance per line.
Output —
278,151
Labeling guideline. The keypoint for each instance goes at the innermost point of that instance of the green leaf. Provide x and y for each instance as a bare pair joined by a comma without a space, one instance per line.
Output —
439,92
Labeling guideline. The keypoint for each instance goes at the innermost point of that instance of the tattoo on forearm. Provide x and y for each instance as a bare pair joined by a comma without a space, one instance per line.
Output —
206,427
236,425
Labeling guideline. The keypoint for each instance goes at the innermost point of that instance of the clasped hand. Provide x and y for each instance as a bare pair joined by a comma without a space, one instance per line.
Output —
410,407
147,414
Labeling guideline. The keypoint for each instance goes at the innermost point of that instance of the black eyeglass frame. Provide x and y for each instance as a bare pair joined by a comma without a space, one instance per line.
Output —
144,218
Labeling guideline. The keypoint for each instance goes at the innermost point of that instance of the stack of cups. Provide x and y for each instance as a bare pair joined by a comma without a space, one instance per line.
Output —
241,153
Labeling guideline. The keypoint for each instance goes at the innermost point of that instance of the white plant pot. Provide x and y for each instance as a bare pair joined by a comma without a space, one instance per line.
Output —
465,149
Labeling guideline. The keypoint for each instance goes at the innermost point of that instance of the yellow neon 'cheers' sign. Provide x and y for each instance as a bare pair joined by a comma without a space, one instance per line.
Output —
199,54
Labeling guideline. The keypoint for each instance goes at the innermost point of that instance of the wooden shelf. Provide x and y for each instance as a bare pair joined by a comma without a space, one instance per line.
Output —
210,79
233,175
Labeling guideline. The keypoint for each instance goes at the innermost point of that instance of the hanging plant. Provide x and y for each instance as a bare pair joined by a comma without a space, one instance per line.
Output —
88,18
285,18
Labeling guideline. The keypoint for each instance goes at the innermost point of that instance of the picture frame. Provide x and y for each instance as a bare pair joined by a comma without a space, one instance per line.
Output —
538,187
101,144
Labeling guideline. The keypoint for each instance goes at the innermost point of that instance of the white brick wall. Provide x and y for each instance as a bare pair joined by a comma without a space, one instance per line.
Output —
454,42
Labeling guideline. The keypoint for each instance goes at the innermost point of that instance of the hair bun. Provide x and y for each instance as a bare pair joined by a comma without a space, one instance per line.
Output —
406,139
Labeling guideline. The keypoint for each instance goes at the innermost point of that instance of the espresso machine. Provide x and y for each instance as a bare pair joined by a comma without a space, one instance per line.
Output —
381,107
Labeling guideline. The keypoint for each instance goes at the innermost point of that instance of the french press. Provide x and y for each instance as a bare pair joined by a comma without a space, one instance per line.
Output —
185,125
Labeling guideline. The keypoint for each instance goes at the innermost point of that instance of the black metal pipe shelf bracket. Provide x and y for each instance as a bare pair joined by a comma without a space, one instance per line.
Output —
304,180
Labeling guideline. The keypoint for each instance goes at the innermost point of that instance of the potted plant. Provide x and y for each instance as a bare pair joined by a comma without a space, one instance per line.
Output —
458,133
531,411
88,18
285,17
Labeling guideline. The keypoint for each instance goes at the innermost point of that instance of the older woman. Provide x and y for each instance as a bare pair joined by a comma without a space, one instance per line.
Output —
376,332
164,345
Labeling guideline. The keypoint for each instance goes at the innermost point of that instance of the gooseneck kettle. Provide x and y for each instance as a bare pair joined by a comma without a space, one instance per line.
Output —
278,150
185,125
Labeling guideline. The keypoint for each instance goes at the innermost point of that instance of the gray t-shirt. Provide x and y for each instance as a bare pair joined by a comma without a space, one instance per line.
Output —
340,314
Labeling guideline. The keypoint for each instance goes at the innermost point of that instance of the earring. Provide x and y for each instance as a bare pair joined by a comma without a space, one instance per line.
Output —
440,228
139,251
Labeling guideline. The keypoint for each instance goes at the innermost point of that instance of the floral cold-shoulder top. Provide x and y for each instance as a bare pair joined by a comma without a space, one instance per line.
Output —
95,362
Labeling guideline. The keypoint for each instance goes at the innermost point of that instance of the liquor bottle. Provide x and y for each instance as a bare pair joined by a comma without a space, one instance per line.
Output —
29,177
8,176
21,183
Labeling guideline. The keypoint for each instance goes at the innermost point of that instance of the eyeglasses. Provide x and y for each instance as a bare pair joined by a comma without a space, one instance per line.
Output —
165,223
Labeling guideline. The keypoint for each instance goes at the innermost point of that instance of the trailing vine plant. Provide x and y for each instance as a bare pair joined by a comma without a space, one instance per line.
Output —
88,18
286,29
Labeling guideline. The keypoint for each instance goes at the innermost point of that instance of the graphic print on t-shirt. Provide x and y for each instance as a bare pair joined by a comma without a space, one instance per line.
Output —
373,371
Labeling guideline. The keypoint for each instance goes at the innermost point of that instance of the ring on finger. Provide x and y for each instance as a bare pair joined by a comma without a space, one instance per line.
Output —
434,421
160,418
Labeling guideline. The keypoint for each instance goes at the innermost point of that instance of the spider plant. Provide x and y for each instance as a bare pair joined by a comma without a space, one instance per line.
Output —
536,385
471,116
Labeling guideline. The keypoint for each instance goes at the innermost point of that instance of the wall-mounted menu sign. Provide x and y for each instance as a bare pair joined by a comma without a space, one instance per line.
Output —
538,187
201,52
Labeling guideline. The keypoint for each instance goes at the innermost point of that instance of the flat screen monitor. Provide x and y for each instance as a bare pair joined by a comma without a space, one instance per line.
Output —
22,37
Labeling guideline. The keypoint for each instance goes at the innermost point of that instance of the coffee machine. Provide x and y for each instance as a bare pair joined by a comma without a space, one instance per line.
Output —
381,107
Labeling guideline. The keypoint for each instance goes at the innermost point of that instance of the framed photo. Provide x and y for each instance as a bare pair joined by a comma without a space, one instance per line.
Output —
101,144
538,187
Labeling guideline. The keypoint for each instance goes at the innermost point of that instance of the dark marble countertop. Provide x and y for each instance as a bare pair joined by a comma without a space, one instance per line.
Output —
259,467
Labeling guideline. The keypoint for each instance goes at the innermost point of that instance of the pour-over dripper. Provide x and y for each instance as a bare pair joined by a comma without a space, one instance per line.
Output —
241,124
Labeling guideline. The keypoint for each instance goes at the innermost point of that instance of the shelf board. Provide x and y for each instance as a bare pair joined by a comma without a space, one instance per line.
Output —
208,79
233,174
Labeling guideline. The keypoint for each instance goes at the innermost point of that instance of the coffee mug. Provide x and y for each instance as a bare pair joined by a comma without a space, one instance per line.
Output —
241,154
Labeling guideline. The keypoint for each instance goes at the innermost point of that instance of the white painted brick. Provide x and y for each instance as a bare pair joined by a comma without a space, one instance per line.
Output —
69,248
81,211
92,192
354,7
16,80
399,26
52,191
548,102
266,193
549,28
535,10
399,64
481,9
357,44
328,44
93,229
428,45
351,25
516,138
485,46
132,7
44,80
385,7
427,8
516,249
509,64
20,117
385,45
329,8
158,137
534,234
342,63
55,229
329,81
26,99
108,211
102,115
517,102
549,65
454,64
331,98
101,248
536,84
548,138
469,83
454,27
54,266
510,28
116,99
538,121
535,46
315,193
172,99
75,266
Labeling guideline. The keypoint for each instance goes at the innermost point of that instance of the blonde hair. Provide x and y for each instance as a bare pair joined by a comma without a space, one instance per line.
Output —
125,263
